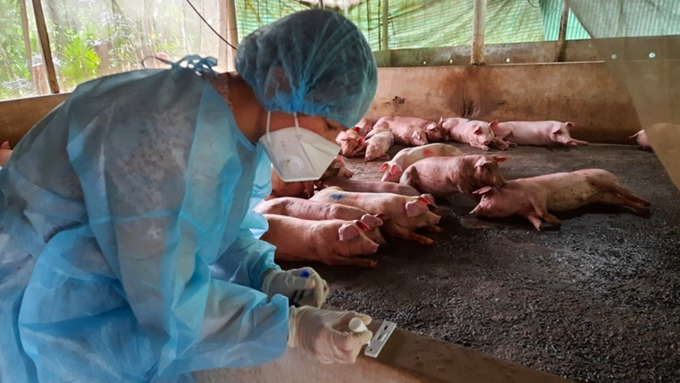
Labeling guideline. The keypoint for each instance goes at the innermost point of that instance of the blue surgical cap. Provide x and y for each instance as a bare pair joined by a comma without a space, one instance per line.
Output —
313,62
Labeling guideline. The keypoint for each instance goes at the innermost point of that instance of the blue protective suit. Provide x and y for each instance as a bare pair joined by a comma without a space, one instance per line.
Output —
125,249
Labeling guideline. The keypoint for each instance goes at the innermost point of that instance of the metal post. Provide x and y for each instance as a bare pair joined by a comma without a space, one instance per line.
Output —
222,48
561,50
385,18
45,45
232,34
478,33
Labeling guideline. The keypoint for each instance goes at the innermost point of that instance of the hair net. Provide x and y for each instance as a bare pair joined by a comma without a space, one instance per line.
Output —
313,62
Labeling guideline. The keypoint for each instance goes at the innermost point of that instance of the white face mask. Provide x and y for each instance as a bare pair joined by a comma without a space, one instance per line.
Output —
298,154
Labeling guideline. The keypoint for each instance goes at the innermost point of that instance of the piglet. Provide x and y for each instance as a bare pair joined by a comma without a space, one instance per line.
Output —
478,134
406,157
534,197
363,127
411,130
442,176
641,139
352,144
337,168
280,188
378,141
401,215
537,133
5,153
333,242
367,186
319,211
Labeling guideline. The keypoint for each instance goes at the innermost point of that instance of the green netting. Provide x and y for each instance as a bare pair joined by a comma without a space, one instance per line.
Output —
431,23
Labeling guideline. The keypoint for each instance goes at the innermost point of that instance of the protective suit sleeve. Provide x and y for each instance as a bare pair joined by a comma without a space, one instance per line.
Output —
161,175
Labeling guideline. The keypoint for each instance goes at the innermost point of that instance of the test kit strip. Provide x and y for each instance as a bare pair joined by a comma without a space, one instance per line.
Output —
379,339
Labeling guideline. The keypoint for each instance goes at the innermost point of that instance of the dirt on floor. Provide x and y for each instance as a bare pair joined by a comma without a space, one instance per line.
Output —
595,301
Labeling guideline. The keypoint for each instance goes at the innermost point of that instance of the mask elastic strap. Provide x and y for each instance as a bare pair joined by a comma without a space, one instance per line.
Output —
269,118
297,125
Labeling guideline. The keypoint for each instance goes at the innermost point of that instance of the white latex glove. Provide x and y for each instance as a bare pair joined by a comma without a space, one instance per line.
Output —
300,290
326,334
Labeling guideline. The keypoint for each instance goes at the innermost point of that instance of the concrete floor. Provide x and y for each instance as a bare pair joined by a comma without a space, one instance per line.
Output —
596,301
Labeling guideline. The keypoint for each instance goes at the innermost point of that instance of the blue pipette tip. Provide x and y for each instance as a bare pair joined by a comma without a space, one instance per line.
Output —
304,274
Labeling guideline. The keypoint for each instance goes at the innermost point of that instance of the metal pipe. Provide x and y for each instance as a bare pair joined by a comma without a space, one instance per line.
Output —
45,45
561,50
477,57
222,48
385,18
232,34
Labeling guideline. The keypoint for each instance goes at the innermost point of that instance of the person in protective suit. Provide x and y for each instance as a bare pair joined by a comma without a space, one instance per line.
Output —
128,245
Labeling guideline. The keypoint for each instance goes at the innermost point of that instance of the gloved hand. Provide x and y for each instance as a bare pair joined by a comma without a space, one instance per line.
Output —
326,334
300,290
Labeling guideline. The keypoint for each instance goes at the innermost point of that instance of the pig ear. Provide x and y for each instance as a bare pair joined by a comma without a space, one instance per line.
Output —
478,130
5,145
396,169
484,190
415,134
371,220
384,217
416,208
384,166
428,197
356,129
482,161
431,127
337,163
570,125
501,158
348,232
556,130
362,140
493,124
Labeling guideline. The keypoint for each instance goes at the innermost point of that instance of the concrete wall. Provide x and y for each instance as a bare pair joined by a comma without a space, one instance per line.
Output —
407,358
584,93
18,116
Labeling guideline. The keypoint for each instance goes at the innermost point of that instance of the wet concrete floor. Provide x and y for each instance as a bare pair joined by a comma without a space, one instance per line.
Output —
596,301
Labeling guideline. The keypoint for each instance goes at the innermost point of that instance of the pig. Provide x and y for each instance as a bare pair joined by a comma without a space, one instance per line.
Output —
352,144
478,134
333,242
378,141
5,153
337,169
280,188
305,189
443,176
363,127
406,157
367,186
319,211
537,133
401,214
641,139
411,130
534,197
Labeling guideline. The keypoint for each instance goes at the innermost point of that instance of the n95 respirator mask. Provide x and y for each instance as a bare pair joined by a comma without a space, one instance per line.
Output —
298,154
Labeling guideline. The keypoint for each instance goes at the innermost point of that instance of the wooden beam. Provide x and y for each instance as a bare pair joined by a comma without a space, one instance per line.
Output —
232,34
477,57
27,41
561,49
384,42
45,45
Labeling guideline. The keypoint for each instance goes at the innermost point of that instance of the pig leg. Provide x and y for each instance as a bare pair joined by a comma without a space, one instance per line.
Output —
574,142
628,194
500,144
540,210
403,233
339,260
533,218
610,183
433,229
479,146
609,198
